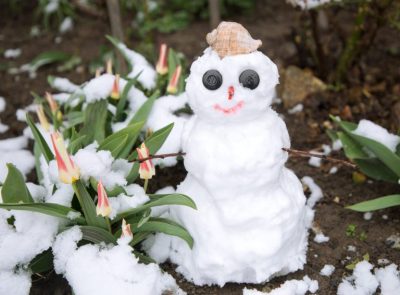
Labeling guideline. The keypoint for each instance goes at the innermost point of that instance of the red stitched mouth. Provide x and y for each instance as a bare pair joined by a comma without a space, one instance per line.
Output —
231,110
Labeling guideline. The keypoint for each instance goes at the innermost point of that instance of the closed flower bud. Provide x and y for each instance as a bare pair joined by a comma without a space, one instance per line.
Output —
42,118
103,206
162,66
126,229
115,88
68,172
173,83
146,168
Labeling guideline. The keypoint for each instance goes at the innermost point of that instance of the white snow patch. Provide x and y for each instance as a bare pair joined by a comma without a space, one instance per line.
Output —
296,109
351,248
375,132
13,151
52,6
316,192
139,64
161,115
321,238
367,215
333,170
115,266
383,261
362,282
101,166
337,145
389,279
309,4
64,85
292,287
12,53
327,270
15,282
66,25
135,197
2,104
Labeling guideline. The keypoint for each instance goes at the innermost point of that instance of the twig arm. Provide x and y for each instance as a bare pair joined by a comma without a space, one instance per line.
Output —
293,152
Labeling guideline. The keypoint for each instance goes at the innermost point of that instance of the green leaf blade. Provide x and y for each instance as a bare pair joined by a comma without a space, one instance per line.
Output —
376,204
39,140
14,189
51,209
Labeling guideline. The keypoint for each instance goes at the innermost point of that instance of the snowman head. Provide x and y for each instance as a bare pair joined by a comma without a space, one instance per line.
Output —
231,81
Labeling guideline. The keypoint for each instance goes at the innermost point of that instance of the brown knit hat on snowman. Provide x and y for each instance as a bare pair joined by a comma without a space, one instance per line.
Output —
231,38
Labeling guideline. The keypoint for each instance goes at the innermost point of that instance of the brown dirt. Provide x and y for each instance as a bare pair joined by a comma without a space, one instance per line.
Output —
273,23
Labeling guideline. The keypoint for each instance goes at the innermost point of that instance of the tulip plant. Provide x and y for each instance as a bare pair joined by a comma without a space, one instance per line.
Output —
373,158
78,122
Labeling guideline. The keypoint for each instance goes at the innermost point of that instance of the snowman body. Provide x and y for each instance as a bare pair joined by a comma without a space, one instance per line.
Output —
252,221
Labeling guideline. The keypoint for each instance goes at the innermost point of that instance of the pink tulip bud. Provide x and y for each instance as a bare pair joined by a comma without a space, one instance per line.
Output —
67,171
52,103
126,229
103,206
146,168
162,65
173,83
42,118
115,89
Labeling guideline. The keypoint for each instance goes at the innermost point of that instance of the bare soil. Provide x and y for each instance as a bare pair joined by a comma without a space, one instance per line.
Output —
372,93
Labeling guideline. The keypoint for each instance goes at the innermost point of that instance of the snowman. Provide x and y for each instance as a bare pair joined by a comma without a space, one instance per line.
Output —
252,220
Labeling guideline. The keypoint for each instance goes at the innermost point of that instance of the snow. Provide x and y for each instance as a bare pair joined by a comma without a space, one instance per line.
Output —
100,88
13,151
321,238
15,282
316,192
161,115
31,234
315,161
389,279
21,113
135,197
310,4
337,145
12,53
101,166
52,6
64,85
383,261
327,270
2,104
367,215
375,132
115,267
73,215
364,282
333,170
290,287
66,25
351,248
3,127
226,152
139,64
296,109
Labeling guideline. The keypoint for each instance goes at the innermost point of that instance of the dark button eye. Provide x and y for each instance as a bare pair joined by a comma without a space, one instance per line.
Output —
212,80
249,79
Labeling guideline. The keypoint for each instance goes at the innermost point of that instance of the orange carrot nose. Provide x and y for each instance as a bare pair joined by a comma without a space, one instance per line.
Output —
231,92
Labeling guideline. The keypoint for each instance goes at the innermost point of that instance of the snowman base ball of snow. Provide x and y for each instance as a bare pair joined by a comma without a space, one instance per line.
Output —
252,220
